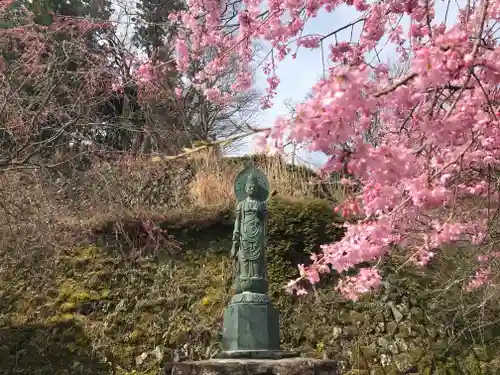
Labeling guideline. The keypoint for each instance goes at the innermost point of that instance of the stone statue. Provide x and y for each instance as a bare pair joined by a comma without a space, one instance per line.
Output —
250,327
250,232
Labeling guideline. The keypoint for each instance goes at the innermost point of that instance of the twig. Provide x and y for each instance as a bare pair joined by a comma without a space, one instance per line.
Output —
211,144
393,87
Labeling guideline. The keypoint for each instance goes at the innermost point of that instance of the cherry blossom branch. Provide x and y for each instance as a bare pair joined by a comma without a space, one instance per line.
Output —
394,86
206,145
475,49
345,27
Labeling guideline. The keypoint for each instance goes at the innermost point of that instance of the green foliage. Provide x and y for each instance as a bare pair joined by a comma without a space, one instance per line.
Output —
296,229
155,26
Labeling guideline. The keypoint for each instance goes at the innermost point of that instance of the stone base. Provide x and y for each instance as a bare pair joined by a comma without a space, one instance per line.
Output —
257,354
250,324
289,366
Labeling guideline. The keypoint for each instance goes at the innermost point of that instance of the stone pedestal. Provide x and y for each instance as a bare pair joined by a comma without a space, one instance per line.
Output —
250,323
290,366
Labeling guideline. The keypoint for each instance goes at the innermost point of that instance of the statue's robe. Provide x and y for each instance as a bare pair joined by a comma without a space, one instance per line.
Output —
251,227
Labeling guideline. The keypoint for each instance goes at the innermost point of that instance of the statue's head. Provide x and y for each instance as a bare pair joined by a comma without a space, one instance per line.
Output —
252,186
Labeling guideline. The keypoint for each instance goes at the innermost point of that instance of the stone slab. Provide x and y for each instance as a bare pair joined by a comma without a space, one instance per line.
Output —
287,366
257,354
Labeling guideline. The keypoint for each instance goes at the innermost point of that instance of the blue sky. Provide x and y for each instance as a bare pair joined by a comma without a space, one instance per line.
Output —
298,76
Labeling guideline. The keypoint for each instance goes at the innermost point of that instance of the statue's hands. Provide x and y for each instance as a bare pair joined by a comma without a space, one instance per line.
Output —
262,210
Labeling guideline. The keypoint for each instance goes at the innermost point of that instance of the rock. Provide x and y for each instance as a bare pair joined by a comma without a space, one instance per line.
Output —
431,332
403,361
385,360
404,331
344,344
158,353
357,372
357,317
402,345
381,325
398,315
141,358
377,371
417,354
337,331
349,332
417,313
393,348
383,342
391,327
358,361
368,353
480,352
403,308
289,366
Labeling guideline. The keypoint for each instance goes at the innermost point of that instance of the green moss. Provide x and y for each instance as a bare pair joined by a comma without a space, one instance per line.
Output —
135,336
403,331
71,292
87,253
320,347
61,318
68,306
471,365
105,293
392,370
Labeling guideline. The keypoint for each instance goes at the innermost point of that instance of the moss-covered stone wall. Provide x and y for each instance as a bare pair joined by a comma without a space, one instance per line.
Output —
108,308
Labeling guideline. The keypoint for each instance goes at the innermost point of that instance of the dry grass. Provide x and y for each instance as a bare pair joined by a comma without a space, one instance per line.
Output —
64,205
213,183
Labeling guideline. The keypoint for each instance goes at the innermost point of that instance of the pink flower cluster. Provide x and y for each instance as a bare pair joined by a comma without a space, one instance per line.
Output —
438,129
4,4
481,277
368,280
145,73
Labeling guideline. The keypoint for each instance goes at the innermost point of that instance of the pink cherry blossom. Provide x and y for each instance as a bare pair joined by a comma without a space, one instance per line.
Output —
352,287
5,4
145,73
438,134
481,277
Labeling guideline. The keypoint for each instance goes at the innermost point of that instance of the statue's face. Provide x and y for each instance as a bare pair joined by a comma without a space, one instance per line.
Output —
251,190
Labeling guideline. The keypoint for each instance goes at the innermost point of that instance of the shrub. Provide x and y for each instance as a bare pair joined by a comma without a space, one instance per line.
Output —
296,229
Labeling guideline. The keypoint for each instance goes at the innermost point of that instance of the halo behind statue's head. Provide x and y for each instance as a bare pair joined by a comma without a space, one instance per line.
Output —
252,179
255,176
